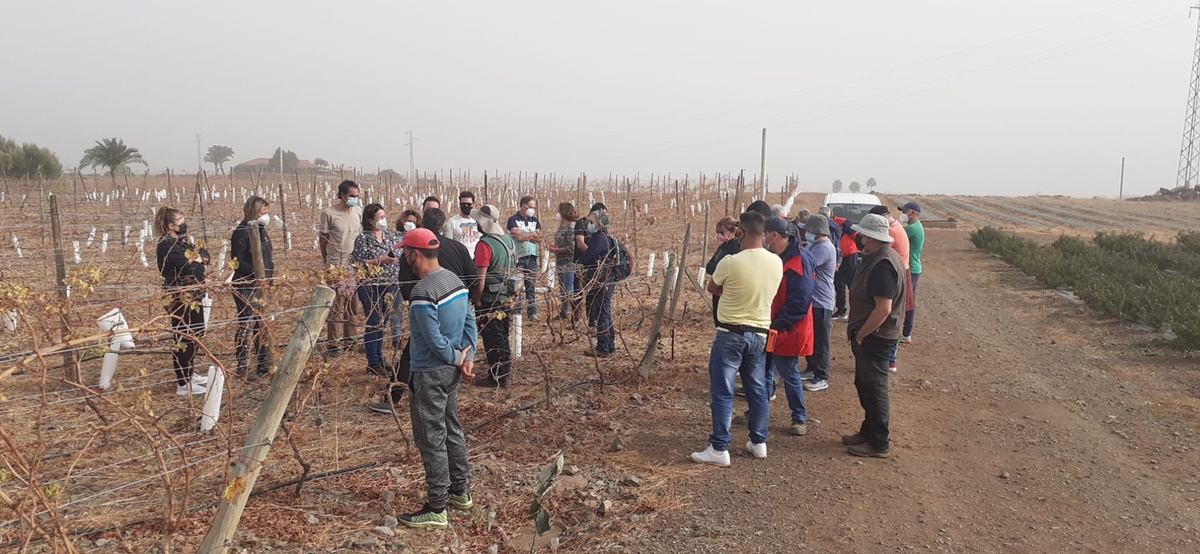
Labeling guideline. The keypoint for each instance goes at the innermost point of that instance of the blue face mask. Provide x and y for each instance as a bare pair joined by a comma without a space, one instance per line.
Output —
352,201
809,237
591,228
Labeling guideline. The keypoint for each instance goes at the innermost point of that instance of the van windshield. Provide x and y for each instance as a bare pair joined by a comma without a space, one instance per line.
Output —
852,212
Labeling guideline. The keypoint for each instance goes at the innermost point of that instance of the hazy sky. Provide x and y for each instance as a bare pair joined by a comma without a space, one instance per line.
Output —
1016,97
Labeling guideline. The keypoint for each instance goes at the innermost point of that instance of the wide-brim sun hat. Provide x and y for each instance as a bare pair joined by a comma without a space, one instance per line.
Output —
817,225
489,220
873,226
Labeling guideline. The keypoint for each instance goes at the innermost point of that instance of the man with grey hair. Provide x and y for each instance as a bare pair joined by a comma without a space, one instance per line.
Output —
796,226
777,210
598,285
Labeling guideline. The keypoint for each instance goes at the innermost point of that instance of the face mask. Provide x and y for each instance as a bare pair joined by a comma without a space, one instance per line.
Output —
381,224
591,227
809,237
352,201
530,212
182,229
858,241
903,218
724,237
465,209
408,226
264,220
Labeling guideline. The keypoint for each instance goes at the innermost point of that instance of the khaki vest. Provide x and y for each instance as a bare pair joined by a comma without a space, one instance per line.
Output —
862,303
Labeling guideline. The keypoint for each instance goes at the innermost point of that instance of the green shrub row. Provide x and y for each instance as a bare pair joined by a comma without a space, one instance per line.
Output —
1119,284
1163,255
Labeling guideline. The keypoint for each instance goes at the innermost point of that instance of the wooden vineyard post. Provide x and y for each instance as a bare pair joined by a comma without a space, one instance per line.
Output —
645,367
260,276
266,425
60,280
687,242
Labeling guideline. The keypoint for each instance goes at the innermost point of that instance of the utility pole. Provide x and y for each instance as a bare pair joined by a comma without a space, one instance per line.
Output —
762,167
1189,152
1121,195
199,158
412,168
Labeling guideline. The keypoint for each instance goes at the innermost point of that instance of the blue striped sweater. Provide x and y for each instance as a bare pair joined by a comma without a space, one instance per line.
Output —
441,321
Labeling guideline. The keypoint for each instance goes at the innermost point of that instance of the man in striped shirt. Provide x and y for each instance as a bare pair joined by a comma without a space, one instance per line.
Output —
442,343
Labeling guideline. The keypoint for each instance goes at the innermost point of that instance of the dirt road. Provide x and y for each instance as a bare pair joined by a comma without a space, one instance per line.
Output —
1019,424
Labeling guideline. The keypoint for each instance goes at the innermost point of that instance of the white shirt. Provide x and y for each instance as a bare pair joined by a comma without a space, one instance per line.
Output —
464,230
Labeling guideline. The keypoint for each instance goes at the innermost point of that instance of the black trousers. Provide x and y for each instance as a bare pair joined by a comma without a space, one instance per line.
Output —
187,320
493,320
248,338
842,280
871,380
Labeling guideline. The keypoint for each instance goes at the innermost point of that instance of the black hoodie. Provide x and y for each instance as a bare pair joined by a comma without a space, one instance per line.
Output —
239,249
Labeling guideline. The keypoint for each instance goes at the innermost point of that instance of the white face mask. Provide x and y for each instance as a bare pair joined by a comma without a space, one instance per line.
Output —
903,218
408,226
381,224
264,220
530,212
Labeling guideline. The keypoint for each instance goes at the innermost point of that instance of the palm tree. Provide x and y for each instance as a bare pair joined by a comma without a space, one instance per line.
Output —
871,184
837,185
218,155
111,154
855,187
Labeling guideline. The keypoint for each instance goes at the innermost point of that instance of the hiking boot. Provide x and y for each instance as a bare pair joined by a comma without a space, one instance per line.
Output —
711,456
852,440
593,353
384,407
816,385
865,450
798,429
426,518
757,450
461,501
489,382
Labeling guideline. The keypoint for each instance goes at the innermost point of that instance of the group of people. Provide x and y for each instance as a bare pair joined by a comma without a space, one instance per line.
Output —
459,278
777,286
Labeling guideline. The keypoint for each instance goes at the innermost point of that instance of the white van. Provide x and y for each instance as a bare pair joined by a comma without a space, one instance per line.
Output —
850,205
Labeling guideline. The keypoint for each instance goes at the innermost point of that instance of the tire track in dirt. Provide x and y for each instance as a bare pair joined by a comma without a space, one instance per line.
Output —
1019,424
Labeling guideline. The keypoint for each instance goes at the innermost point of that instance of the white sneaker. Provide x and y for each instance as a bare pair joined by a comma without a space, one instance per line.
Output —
190,389
906,340
758,450
199,379
892,368
712,456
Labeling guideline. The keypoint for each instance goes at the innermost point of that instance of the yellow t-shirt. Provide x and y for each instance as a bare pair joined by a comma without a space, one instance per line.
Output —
748,281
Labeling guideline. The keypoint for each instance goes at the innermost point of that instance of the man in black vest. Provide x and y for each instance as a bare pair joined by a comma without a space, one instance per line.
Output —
875,325
496,261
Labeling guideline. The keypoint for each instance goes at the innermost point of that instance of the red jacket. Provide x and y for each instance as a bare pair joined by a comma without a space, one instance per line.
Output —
791,310
849,247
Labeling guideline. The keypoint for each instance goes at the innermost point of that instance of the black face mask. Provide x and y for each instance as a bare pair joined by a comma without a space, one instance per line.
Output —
858,241
182,229
465,209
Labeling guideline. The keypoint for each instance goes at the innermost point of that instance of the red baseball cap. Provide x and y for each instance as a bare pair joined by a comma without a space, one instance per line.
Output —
421,239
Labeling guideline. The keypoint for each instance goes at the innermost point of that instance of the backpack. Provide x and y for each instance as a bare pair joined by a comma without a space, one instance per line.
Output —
624,266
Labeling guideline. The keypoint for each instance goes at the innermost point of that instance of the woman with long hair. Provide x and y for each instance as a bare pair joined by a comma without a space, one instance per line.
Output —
374,263
409,220
182,269
248,288
564,264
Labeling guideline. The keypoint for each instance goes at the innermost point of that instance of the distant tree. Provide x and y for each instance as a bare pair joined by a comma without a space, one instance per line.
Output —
855,187
320,162
871,184
837,185
289,161
112,154
218,155
27,160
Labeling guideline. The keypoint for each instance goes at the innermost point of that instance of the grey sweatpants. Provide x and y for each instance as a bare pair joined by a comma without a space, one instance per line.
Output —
439,436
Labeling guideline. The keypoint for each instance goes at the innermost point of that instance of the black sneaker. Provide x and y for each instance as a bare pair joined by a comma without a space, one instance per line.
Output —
865,450
384,407
426,518
378,369
333,352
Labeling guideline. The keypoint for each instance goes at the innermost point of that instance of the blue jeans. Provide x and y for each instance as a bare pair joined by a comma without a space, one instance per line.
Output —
734,355
789,368
818,363
529,270
599,311
375,306
566,289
